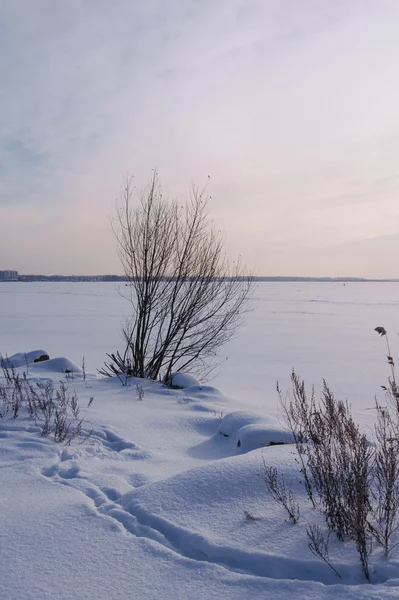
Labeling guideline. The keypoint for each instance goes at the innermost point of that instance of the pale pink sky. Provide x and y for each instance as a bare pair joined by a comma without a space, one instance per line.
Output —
290,106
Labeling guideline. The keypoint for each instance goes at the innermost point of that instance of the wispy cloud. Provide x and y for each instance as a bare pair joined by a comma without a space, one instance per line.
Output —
283,103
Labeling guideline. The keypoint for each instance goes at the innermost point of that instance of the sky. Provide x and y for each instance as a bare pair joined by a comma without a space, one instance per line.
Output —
289,106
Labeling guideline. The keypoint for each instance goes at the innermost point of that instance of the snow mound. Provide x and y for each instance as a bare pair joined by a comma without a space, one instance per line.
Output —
183,380
259,435
21,359
201,514
57,365
203,392
232,422
251,431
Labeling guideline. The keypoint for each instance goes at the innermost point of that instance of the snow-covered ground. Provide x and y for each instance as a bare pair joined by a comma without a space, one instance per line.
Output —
321,329
157,502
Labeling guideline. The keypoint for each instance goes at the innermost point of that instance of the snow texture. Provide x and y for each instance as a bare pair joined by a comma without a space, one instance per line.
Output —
165,498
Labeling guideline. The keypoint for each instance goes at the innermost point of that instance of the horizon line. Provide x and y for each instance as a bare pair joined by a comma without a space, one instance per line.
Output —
271,278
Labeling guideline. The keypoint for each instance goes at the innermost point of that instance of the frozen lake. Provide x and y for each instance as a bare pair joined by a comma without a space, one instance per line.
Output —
321,329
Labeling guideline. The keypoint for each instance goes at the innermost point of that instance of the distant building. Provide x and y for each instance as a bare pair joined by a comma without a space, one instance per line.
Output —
8,275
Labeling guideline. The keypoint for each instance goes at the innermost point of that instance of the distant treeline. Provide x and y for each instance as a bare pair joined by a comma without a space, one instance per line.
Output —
80,278
76,278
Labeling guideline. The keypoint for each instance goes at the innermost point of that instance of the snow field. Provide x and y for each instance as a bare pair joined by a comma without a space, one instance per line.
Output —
158,503
155,504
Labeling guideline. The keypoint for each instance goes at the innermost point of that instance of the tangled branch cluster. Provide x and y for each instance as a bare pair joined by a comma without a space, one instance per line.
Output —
187,297
54,409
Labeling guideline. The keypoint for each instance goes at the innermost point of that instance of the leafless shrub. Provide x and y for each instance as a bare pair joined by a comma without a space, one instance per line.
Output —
140,391
44,415
61,426
119,366
187,297
385,470
392,388
298,411
249,516
84,369
385,485
336,461
17,395
8,369
54,409
69,375
318,545
354,483
277,489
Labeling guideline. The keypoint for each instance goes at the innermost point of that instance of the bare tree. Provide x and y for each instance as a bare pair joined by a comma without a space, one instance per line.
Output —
187,297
